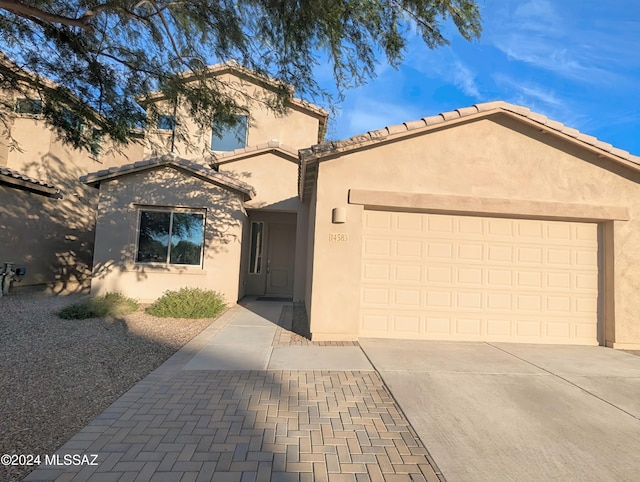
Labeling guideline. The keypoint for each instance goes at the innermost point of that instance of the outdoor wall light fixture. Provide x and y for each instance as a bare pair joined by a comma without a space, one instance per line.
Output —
339,215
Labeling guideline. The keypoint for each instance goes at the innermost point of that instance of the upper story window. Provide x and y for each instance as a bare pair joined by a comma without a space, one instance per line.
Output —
166,122
28,106
170,237
228,138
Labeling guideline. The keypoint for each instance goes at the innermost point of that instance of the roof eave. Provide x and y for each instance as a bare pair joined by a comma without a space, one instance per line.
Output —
310,157
94,179
271,147
46,190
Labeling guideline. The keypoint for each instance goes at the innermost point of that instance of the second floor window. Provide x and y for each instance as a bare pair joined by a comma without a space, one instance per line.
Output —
166,122
228,138
28,106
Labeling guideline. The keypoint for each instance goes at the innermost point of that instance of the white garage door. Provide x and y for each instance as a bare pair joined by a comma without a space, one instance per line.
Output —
430,276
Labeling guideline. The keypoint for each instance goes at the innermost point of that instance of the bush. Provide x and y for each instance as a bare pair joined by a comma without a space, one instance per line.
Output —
111,304
188,303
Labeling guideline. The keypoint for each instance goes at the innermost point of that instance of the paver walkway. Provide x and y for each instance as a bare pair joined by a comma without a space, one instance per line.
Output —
189,420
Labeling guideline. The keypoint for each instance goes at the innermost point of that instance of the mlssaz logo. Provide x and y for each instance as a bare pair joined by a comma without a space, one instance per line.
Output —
71,459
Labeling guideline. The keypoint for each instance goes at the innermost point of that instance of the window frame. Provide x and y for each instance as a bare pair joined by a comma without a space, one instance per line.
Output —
171,211
228,131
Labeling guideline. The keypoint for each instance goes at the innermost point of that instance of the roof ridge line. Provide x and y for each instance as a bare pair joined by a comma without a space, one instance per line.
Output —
462,112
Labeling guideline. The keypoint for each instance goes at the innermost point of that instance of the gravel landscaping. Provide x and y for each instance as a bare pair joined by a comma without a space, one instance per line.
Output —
57,375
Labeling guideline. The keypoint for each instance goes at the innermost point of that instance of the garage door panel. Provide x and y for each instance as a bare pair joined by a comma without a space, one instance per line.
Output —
470,252
378,220
461,277
377,247
411,222
413,274
499,328
469,276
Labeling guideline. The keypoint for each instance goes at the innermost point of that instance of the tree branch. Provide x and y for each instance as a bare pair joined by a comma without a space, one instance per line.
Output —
26,11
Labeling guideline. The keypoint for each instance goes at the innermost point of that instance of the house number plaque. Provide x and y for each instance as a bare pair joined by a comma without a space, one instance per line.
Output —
338,238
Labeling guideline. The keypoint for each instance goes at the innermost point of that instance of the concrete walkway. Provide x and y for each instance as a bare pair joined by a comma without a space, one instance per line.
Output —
517,412
247,400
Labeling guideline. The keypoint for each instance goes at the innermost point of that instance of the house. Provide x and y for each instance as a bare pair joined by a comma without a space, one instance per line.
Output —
487,223
234,218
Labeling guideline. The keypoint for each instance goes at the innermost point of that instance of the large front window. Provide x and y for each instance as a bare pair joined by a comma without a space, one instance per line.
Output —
170,237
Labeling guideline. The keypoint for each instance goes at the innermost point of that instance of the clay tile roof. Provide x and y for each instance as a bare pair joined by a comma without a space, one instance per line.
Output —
202,171
274,146
484,108
9,176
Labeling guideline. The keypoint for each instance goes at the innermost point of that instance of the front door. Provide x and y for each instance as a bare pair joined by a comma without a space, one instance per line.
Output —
280,259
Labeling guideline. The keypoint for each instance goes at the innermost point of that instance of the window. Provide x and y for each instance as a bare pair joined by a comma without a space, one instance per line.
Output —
166,122
28,106
96,142
228,138
170,237
255,261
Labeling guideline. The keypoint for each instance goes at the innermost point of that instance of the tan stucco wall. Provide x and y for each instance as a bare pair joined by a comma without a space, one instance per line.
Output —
116,235
51,237
273,178
297,127
498,158
43,156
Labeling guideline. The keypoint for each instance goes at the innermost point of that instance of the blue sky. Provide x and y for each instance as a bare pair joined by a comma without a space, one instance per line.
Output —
575,61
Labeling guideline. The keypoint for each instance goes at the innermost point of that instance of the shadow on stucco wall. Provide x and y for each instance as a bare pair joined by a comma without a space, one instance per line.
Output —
52,237
169,188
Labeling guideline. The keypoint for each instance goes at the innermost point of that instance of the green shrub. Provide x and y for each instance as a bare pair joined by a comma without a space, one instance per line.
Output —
188,303
111,304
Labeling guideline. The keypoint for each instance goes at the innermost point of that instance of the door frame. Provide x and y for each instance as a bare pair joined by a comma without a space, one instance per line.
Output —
255,283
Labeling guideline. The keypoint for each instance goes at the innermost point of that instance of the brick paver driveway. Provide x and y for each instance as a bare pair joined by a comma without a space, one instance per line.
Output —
246,425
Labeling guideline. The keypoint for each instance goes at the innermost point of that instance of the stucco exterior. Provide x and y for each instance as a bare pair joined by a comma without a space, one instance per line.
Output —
267,166
61,258
301,125
50,235
121,199
495,164
288,220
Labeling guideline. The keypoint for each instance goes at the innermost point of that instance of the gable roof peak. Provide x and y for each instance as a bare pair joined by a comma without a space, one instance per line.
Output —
310,156
486,108
171,159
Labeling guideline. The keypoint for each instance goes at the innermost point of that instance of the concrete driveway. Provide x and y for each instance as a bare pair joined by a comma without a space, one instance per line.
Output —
518,412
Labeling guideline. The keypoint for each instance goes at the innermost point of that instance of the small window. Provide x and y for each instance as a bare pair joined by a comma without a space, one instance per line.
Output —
228,138
28,106
170,237
96,142
166,122
255,261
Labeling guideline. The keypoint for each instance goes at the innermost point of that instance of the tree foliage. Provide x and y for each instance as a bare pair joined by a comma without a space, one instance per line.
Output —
93,61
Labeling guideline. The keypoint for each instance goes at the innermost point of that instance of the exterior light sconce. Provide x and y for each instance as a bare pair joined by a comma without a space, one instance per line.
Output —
339,215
